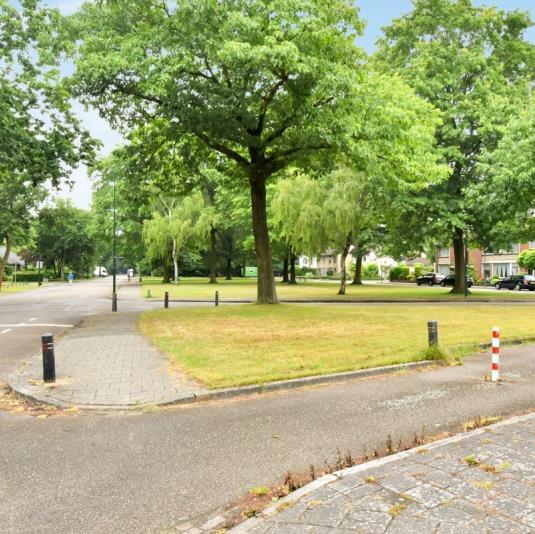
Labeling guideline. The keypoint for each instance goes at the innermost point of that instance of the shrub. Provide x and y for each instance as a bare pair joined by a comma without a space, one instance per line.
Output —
399,272
418,270
371,271
526,260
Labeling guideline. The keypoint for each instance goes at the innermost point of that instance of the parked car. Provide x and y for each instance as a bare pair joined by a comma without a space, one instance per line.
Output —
450,281
430,279
518,282
100,271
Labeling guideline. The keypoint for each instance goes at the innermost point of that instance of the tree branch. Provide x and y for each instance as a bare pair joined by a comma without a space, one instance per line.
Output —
232,154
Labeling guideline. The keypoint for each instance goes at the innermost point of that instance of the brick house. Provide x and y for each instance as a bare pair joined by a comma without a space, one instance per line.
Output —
486,263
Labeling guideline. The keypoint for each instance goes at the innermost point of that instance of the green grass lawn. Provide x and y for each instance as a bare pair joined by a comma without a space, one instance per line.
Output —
248,344
240,288
8,288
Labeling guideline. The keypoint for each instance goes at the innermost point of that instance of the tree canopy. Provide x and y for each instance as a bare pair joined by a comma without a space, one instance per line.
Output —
475,65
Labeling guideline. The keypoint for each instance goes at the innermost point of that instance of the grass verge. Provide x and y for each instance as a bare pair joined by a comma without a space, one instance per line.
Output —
250,344
245,288
9,288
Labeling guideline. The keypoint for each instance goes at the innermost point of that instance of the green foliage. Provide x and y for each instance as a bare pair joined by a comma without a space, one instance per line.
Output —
475,65
418,270
371,271
175,225
399,272
40,139
63,237
526,260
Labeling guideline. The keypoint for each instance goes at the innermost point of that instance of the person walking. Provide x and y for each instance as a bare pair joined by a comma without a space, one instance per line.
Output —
70,277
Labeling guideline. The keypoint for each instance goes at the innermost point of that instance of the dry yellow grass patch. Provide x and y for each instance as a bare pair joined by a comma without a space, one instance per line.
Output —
248,344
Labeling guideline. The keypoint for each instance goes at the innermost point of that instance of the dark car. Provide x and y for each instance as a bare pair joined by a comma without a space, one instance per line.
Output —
518,282
450,281
430,279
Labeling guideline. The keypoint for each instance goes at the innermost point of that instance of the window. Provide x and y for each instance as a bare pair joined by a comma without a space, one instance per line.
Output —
444,252
515,248
531,244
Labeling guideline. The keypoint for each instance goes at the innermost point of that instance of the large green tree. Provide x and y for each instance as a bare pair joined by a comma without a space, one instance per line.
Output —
40,139
64,238
263,83
475,65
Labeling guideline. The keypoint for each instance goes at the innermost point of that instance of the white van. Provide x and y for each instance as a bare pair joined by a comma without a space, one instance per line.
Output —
100,271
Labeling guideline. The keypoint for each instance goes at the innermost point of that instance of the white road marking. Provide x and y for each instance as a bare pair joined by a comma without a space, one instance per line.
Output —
37,324
5,331
32,319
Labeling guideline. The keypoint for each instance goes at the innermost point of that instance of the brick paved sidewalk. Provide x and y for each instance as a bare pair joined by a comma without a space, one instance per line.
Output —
479,482
106,362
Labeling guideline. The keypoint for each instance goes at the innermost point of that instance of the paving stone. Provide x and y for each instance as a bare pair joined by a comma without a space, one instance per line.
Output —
450,497
107,362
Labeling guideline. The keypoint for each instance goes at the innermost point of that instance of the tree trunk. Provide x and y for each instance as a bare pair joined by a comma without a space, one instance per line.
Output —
61,270
357,277
460,262
167,273
285,278
229,269
345,252
175,263
5,259
213,255
266,293
293,280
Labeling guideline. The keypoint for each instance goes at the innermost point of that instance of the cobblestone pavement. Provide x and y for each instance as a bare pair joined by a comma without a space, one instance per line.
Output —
479,482
106,362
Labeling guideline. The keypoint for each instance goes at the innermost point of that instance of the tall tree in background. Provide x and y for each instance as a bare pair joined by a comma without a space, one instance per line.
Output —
40,140
63,237
474,64
173,226
264,83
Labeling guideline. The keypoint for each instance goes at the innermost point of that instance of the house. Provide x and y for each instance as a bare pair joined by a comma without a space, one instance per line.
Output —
13,259
486,263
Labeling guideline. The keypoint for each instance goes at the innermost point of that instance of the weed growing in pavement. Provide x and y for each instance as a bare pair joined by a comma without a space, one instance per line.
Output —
503,466
371,480
389,445
471,460
483,484
259,490
396,509
312,472
479,422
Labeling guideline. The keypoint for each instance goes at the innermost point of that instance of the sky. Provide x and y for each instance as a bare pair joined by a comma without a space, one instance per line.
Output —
376,13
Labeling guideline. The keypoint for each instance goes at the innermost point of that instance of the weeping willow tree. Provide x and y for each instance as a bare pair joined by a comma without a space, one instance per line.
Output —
174,225
330,212
296,210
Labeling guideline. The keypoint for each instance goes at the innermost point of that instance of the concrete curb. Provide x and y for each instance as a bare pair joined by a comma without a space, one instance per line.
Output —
19,387
327,479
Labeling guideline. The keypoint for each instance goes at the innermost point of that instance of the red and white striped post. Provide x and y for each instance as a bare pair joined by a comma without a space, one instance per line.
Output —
495,368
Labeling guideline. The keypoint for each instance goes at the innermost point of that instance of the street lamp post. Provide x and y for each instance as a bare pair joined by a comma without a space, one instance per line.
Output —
39,282
114,268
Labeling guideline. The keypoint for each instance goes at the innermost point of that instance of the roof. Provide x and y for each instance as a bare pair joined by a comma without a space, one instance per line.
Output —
13,258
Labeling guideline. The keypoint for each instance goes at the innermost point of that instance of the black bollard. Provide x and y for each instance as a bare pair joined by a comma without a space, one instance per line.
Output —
217,298
166,300
49,362
432,333
114,302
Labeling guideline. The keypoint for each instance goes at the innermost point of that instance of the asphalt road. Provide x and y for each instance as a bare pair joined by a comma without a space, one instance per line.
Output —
153,472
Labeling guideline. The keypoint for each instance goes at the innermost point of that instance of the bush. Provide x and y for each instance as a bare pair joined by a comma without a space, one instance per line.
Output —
371,271
28,276
399,272
418,270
